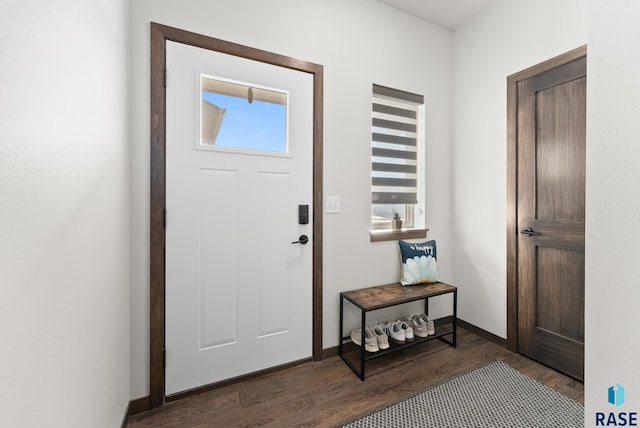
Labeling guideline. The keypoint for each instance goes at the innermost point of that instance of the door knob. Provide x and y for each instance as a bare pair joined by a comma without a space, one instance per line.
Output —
302,239
527,231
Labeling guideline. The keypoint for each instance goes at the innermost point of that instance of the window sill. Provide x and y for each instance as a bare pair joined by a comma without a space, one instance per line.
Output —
394,235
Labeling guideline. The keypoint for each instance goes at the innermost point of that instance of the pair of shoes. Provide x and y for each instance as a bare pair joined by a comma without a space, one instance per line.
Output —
399,331
374,339
421,324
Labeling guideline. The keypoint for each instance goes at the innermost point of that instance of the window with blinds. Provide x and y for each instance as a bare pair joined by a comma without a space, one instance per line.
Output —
396,161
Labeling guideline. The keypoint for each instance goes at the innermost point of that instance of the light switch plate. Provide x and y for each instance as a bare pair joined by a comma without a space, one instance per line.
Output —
332,205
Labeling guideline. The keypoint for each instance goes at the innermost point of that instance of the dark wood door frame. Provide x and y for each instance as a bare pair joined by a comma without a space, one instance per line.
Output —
512,183
160,34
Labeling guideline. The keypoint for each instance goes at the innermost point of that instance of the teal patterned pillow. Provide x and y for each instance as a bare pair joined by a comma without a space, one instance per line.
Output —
419,262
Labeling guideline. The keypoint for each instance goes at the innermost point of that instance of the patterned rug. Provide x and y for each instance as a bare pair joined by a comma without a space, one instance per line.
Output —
495,395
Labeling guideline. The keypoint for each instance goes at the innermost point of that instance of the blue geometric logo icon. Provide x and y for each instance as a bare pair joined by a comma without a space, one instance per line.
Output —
616,395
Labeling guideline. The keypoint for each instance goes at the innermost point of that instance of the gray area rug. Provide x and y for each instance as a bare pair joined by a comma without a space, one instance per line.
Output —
495,395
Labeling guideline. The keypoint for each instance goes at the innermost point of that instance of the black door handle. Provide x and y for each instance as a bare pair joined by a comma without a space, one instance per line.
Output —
529,232
302,239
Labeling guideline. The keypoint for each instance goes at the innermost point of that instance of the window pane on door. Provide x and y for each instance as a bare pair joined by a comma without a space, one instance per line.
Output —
238,115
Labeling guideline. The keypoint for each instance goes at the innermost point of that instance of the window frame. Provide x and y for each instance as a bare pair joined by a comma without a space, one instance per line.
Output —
415,103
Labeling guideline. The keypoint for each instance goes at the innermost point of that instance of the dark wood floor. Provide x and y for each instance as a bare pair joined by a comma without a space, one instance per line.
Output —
327,393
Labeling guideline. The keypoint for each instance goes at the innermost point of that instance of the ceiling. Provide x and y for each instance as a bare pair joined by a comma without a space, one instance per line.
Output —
449,14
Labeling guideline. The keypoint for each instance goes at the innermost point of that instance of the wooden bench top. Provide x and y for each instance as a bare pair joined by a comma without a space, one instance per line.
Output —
383,296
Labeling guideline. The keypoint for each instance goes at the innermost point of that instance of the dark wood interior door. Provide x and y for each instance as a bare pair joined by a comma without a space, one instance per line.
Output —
550,216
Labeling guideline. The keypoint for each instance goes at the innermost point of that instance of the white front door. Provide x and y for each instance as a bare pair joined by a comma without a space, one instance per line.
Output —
238,290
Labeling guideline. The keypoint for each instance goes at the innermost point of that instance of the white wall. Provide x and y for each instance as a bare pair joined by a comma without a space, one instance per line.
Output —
488,49
358,42
511,36
64,246
613,206
64,176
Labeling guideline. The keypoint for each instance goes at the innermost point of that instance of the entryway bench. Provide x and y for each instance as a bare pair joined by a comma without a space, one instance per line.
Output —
384,296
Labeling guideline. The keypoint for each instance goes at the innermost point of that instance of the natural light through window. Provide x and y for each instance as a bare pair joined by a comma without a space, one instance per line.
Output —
397,155
242,116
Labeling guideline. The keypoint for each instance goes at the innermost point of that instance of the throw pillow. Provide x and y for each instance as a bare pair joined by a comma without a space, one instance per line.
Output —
418,262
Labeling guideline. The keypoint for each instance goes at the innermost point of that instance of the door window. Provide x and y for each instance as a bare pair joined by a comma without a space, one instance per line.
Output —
242,116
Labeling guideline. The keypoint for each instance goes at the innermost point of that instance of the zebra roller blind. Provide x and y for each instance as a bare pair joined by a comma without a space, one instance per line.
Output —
394,146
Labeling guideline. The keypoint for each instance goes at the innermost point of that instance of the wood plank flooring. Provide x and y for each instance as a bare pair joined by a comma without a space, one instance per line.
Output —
328,393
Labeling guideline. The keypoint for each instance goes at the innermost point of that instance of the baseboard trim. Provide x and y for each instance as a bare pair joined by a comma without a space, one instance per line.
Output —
330,352
125,418
438,322
134,407
139,405
482,333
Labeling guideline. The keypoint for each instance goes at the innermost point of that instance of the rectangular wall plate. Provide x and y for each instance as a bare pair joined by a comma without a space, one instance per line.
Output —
332,205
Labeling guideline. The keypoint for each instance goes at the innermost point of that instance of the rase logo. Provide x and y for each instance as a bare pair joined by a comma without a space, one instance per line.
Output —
615,397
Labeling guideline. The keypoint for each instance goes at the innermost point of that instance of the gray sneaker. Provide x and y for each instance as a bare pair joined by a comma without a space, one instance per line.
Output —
408,331
370,341
383,339
430,325
419,327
